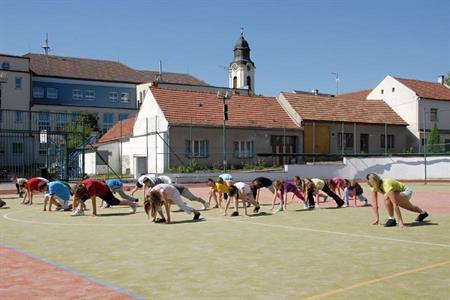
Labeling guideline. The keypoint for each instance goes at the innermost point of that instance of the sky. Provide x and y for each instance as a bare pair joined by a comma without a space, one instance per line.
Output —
294,44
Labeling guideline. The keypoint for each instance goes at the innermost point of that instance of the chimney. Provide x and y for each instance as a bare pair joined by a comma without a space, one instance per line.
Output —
440,79
315,92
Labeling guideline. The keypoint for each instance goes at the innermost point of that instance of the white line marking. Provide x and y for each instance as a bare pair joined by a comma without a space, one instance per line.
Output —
335,232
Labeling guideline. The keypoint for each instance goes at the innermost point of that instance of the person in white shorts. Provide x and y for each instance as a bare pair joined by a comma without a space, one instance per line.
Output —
164,195
56,193
241,191
186,193
396,195
148,181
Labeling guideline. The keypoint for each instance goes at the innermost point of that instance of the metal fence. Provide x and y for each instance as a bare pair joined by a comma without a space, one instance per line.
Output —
41,144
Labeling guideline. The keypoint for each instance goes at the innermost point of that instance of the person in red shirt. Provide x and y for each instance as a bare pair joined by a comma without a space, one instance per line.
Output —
91,189
31,186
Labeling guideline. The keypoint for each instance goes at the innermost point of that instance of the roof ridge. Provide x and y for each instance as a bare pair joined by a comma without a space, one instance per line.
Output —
79,58
399,78
207,92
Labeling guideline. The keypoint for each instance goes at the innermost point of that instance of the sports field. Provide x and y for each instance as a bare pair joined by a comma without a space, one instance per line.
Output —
324,253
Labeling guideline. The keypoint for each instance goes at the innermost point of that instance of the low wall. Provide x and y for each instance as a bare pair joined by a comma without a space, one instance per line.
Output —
409,168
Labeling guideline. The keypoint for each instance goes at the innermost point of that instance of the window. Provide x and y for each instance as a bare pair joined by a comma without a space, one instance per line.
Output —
234,82
18,82
382,92
123,117
433,114
18,117
2,149
113,96
89,95
44,120
124,97
38,92
77,94
390,141
348,140
249,82
61,119
393,89
108,119
52,93
244,149
197,148
43,148
17,148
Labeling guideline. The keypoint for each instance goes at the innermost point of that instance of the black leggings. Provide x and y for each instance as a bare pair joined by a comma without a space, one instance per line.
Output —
18,188
330,193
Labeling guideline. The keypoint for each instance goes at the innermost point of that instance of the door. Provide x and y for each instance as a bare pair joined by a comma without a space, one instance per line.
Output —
140,166
316,139
364,143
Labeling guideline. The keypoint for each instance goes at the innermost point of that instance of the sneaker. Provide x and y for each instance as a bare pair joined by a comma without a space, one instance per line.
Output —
196,216
305,206
422,216
205,205
256,209
2,203
106,205
390,223
280,209
160,220
235,214
133,208
340,205
59,208
77,212
345,205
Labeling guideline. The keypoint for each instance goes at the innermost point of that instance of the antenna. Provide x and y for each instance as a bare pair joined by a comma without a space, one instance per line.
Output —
336,74
159,76
46,47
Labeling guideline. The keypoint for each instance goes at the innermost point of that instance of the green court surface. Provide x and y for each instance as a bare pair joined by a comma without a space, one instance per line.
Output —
325,253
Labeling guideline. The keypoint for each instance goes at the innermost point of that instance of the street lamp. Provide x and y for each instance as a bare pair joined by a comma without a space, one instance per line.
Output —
224,95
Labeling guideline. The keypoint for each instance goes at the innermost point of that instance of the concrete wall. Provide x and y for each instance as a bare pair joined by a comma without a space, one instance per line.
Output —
409,168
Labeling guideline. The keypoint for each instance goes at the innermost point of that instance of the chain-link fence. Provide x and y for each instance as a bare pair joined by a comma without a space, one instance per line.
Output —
41,144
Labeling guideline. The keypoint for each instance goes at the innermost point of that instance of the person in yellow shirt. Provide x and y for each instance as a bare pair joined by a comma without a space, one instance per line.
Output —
396,195
218,186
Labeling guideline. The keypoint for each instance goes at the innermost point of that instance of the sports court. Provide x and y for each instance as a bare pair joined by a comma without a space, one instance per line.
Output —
324,253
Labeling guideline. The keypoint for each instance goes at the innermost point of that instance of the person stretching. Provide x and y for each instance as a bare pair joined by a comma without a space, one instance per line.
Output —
91,189
186,193
242,191
164,195
314,186
396,195
116,186
31,186
56,193
282,188
259,183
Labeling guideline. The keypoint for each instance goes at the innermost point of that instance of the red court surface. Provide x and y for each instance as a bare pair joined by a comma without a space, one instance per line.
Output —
43,280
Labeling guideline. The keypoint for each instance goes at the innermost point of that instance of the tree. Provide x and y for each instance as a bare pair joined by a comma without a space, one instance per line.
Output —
447,80
80,129
434,140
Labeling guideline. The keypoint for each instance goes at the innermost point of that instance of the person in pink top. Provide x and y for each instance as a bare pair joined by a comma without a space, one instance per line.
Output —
164,195
91,189
31,186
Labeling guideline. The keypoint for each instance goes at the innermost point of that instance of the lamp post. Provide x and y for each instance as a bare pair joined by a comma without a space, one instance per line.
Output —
224,95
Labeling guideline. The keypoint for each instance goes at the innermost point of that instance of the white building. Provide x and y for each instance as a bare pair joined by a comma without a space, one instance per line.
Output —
420,104
14,82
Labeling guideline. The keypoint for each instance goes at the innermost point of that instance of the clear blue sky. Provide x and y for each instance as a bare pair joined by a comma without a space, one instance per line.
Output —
294,44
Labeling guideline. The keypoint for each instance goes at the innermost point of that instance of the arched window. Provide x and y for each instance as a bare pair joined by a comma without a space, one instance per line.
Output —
234,82
249,82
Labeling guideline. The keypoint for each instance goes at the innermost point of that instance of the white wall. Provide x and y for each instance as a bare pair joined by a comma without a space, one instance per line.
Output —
144,141
12,98
395,167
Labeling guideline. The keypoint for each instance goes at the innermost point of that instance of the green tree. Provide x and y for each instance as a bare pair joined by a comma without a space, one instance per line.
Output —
80,129
447,80
434,140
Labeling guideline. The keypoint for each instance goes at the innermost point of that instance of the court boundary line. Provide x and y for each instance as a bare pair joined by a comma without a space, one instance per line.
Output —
335,232
73,272
376,280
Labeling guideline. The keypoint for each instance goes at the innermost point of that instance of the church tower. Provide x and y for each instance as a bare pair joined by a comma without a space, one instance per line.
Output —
242,69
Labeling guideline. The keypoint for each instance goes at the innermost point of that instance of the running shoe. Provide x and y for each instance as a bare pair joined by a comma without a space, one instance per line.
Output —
422,217
305,206
205,205
280,209
256,209
161,220
77,212
235,214
390,223
196,216
133,208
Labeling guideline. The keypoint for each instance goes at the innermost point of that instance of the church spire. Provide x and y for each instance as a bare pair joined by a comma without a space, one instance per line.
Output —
242,68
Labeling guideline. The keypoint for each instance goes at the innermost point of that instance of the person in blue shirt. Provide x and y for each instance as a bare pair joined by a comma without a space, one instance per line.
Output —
56,193
116,186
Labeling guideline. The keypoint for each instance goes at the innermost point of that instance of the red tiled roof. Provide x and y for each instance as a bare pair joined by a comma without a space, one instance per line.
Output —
82,68
116,132
205,109
331,109
103,70
357,95
427,90
148,76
